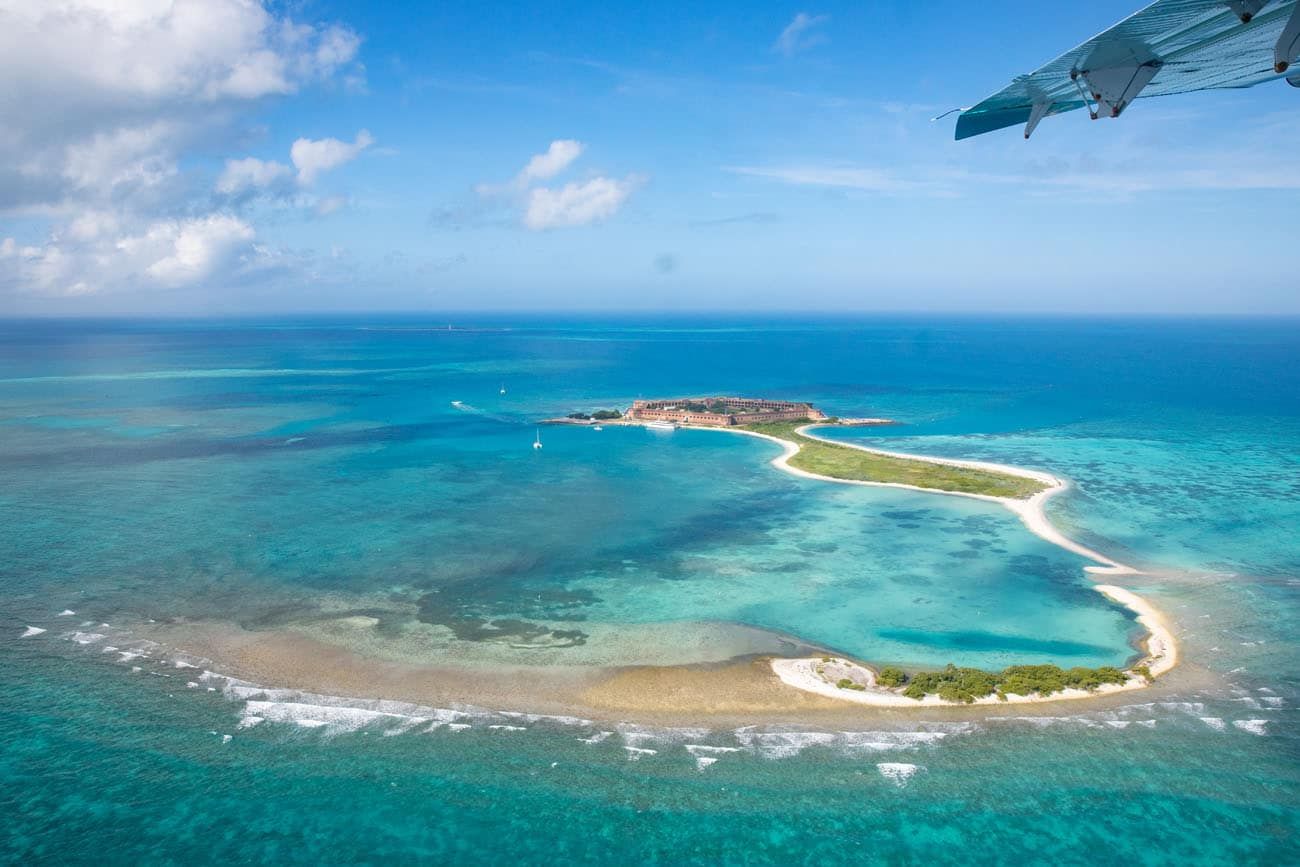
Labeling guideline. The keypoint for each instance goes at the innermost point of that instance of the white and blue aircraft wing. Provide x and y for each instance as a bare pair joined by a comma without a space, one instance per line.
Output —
1171,46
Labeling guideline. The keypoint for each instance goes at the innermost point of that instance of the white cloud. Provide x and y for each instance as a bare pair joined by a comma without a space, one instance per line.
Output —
164,49
93,256
100,103
1077,179
577,204
93,224
799,34
191,250
312,158
844,177
127,157
329,205
250,174
557,158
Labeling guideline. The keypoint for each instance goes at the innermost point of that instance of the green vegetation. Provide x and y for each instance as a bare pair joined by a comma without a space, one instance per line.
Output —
1144,672
845,683
598,415
952,684
968,684
845,462
714,406
891,676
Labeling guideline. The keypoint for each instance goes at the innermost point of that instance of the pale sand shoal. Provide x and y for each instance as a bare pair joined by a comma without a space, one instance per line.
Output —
740,692
1162,650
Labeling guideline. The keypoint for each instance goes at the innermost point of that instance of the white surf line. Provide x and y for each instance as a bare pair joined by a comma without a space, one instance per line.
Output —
1162,650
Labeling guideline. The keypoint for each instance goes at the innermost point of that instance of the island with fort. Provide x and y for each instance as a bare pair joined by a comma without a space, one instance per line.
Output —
1024,492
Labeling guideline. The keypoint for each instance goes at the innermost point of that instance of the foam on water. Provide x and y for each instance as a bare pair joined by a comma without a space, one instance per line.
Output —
706,755
333,716
897,772
1254,726
32,631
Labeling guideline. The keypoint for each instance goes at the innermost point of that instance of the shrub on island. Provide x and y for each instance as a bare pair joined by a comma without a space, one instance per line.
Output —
598,415
891,676
952,684
845,683
967,684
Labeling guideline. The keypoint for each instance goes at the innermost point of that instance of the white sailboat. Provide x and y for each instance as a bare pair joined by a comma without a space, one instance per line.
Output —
537,443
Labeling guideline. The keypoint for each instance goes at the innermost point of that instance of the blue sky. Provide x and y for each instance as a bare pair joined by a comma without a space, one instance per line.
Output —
225,157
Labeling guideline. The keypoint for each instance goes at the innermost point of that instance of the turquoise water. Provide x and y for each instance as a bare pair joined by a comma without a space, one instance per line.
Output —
302,474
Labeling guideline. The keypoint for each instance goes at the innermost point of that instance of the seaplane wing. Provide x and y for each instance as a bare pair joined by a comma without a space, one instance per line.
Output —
1171,46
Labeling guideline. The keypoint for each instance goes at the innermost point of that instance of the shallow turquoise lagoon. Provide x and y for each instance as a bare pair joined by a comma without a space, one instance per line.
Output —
277,473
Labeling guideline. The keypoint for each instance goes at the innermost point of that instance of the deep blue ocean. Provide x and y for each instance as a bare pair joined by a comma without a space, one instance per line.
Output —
370,484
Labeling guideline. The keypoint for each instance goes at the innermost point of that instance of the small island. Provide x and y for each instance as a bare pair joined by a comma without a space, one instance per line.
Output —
890,686
789,422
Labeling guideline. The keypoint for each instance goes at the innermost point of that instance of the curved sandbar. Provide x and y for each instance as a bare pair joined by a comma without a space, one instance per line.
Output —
817,676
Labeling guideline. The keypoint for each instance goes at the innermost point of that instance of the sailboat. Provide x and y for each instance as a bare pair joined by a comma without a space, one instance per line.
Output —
537,443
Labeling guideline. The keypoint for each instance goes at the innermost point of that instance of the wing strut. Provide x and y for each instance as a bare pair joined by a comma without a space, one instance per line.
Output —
1288,44
1039,111
1114,87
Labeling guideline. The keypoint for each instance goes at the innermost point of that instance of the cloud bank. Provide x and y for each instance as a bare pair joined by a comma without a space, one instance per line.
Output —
102,101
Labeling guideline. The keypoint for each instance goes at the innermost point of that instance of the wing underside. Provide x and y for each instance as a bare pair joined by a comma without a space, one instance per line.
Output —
1171,46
